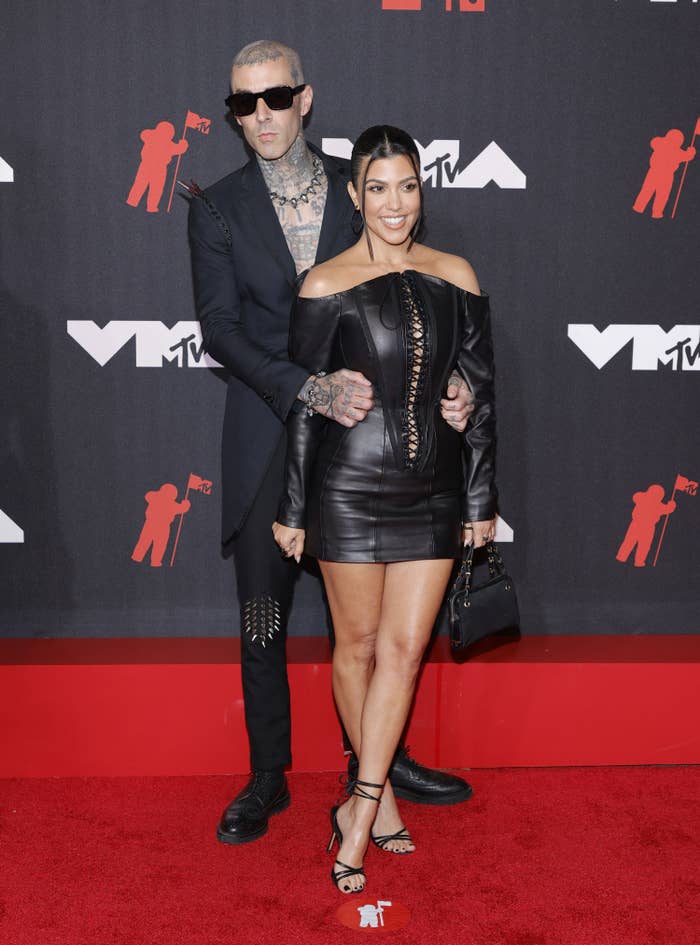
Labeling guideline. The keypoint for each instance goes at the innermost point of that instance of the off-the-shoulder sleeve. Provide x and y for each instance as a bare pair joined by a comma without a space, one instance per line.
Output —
313,328
476,365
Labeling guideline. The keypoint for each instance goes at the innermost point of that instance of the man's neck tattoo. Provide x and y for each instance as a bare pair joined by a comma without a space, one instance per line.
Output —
293,173
305,193
297,186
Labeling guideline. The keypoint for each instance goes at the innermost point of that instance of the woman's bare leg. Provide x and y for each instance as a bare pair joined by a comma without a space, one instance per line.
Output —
355,593
382,616
413,593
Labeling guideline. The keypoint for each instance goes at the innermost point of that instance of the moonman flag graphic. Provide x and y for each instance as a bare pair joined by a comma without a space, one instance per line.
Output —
696,132
196,484
682,485
196,121
685,485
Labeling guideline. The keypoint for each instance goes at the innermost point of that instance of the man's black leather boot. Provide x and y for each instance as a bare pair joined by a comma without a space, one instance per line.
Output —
412,781
246,817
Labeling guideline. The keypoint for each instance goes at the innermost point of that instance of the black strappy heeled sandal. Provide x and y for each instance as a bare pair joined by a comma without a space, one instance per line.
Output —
401,834
355,787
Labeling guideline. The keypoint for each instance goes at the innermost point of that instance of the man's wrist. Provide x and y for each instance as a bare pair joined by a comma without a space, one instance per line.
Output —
309,393
304,391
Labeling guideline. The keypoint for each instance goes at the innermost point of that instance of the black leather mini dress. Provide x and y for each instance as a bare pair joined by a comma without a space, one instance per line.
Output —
398,485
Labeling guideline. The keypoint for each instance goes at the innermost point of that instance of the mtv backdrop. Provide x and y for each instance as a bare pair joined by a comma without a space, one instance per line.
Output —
558,144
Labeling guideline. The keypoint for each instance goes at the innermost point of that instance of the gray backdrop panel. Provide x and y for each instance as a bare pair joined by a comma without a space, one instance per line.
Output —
572,92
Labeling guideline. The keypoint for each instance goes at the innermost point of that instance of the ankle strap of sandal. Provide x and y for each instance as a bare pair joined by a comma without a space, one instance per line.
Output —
360,792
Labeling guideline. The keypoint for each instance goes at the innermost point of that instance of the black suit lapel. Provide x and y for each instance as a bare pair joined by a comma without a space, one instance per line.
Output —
263,220
338,211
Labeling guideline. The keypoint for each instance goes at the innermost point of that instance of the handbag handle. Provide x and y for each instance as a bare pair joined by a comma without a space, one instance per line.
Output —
464,577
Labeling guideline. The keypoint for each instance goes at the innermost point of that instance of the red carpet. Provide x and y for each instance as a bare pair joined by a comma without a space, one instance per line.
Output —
587,856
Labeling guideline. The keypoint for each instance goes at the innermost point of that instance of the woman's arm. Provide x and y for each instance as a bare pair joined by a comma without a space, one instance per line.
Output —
476,365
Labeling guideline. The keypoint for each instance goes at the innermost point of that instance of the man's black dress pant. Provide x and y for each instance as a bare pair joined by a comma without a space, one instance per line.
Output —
265,586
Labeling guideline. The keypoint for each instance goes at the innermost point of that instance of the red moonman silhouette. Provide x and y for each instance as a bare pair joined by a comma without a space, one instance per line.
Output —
157,151
162,507
667,155
648,508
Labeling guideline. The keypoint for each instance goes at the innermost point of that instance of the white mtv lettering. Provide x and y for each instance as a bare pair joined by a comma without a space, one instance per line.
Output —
10,532
440,159
493,164
154,342
651,345
7,174
679,347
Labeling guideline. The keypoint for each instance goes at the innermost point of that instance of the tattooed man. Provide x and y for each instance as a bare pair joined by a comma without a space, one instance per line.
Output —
251,235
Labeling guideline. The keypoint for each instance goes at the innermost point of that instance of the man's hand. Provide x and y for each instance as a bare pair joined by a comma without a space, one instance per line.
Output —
344,396
458,406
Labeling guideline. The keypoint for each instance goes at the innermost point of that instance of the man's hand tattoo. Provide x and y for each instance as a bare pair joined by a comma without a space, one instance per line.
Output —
330,397
456,380
314,394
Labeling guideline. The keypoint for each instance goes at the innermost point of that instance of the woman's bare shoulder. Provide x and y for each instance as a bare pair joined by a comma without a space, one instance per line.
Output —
327,278
456,270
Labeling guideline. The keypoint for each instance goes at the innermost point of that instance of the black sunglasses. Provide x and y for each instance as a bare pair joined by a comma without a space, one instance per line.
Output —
278,99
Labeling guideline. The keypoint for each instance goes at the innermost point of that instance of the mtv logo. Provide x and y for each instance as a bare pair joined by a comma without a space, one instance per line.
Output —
10,532
440,160
155,343
678,348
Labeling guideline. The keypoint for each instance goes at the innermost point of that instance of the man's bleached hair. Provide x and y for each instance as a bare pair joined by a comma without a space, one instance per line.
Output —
268,50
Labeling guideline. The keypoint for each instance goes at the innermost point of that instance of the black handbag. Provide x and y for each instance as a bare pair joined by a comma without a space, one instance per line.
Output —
477,610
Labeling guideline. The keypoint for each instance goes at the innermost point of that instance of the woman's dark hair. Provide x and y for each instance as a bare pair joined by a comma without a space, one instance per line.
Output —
384,141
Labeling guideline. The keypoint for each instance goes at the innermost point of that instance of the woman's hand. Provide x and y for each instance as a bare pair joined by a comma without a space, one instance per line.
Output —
478,533
290,540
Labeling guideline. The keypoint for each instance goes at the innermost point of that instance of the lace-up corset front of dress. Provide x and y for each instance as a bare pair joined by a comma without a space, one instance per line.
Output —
417,347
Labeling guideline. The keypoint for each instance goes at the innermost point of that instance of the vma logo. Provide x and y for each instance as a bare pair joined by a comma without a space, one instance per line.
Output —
440,164
678,348
464,6
155,343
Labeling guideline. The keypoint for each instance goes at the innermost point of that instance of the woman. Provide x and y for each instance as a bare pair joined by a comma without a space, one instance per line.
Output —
384,506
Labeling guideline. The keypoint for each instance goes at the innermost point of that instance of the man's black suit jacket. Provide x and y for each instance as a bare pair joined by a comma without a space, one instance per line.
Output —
244,284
